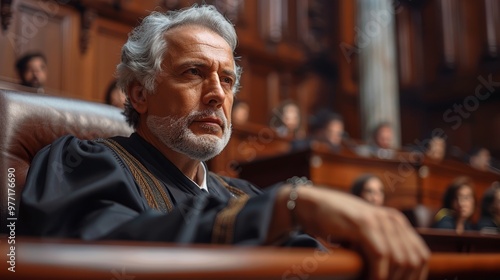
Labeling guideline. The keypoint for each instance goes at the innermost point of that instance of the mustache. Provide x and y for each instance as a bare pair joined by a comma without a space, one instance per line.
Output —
208,113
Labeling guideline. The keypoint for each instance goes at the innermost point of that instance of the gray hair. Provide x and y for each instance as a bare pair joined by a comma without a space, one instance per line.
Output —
143,53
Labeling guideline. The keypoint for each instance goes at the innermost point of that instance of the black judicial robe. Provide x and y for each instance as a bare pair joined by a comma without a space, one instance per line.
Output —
81,189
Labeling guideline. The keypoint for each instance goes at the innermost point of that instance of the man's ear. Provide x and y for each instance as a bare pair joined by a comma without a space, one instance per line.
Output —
138,97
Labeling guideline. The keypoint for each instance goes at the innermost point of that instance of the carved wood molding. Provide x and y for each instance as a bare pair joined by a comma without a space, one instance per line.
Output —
230,8
89,10
6,13
87,18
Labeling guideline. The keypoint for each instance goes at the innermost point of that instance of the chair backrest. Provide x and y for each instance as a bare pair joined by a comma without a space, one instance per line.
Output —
29,122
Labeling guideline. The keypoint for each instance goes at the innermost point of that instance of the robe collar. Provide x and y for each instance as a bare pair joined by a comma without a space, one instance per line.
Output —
180,187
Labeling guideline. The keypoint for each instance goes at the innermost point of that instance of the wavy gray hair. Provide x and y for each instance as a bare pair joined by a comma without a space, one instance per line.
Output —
143,53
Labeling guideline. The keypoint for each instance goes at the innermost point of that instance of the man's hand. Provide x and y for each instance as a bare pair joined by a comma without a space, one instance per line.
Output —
384,235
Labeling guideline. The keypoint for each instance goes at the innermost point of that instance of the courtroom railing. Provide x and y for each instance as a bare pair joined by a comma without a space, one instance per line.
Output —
409,181
56,259
444,240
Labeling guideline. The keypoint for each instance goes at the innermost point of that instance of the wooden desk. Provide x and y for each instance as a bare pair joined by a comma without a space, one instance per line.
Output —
63,259
340,171
435,177
409,182
440,240
337,171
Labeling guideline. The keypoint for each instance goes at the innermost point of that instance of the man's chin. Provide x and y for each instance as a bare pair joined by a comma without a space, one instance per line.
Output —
205,135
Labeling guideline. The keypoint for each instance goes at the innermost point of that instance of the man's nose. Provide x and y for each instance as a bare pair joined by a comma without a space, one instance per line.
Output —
36,73
214,94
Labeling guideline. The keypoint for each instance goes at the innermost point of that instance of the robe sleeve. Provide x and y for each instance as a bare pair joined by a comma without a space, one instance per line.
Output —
79,189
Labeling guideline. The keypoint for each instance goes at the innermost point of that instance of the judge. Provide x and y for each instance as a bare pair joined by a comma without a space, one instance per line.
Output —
179,73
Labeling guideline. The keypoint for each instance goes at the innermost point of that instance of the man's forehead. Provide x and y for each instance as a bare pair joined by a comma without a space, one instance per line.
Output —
195,32
191,43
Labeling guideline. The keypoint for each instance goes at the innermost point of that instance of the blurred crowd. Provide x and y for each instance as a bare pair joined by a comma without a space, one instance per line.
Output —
326,128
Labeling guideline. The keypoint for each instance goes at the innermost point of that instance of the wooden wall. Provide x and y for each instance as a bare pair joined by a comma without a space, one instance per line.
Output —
447,50
81,58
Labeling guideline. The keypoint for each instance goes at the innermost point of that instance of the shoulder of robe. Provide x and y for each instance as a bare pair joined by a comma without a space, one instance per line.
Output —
241,184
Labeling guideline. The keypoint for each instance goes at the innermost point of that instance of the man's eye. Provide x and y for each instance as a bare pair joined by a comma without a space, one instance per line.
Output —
194,71
227,80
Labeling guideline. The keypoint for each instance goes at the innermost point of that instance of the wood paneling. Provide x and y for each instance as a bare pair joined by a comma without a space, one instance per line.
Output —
408,181
109,38
450,52
49,28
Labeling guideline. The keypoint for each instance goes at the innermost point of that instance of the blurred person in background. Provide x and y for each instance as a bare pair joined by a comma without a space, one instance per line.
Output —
115,96
32,70
436,149
382,143
370,188
241,112
490,210
286,120
326,128
480,158
458,206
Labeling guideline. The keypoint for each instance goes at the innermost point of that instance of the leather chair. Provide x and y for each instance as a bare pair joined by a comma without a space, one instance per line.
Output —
29,122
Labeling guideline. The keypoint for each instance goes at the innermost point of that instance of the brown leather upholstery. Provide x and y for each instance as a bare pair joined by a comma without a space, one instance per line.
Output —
29,122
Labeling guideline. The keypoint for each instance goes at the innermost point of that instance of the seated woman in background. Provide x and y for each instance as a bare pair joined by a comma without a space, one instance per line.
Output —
326,128
490,210
286,120
458,206
115,96
480,158
436,149
240,113
370,188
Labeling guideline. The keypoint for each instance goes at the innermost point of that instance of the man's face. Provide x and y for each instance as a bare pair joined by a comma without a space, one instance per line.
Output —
482,160
334,131
437,148
190,111
36,73
384,137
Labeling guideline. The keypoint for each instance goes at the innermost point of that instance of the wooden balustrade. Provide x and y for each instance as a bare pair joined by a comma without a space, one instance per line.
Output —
436,176
71,259
409,181
443,240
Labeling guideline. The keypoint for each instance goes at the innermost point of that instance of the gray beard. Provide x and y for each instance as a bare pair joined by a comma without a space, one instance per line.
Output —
175,134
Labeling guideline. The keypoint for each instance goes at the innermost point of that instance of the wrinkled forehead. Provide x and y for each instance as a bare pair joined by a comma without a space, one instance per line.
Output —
197,39
195,32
